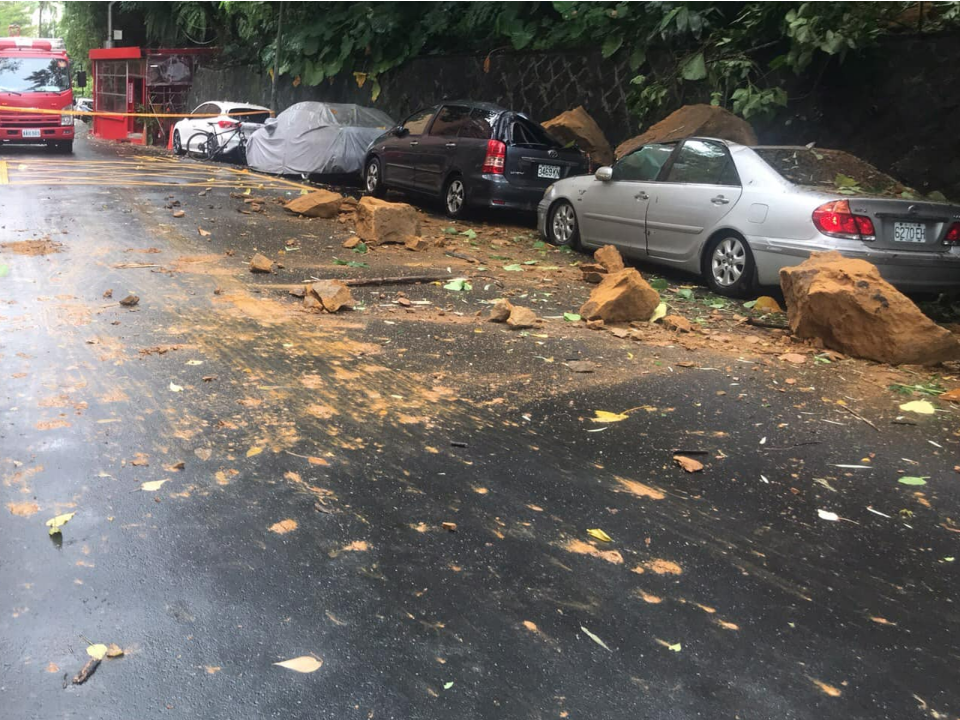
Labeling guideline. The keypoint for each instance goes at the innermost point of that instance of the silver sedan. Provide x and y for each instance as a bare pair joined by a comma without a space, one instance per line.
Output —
736,215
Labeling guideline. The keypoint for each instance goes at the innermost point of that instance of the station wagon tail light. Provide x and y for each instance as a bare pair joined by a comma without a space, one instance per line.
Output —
496,154
227,123
835,219
953,235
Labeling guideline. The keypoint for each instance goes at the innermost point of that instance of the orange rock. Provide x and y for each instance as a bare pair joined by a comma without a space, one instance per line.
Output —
609,258
847,305
690,120
380,221
621,297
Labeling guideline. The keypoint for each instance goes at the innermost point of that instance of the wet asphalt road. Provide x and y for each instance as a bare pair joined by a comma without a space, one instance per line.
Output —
722,595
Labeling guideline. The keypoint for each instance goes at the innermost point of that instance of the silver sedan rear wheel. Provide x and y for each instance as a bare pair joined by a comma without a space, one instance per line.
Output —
563,225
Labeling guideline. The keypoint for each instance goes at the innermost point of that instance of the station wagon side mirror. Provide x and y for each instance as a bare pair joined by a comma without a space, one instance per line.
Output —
605,173
81,78
399,131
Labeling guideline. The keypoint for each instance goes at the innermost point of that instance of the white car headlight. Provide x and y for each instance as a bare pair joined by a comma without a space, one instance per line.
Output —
66,119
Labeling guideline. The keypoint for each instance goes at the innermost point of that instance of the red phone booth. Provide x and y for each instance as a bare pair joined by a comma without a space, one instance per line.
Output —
136,80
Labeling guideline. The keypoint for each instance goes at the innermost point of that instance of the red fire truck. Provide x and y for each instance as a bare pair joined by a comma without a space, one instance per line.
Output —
35,73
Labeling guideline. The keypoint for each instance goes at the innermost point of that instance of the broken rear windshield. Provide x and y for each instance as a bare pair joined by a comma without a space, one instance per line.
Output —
832,169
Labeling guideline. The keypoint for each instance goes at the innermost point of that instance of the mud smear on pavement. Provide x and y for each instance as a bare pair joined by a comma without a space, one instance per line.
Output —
43,246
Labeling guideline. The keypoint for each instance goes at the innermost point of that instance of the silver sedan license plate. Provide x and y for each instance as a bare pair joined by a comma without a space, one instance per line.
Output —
906,232
551,172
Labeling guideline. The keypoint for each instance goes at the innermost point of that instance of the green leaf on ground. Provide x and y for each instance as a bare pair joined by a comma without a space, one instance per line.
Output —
458,285
908,480
350,263
469,234
448,685
4,269
539,244
361,249
749,304
659,284
530,262
571,317
513,268
449,230
685,293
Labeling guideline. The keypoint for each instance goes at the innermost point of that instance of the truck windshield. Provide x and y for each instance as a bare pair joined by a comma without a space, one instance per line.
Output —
34,75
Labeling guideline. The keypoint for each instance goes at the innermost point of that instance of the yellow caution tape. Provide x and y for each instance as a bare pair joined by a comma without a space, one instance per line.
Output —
98,113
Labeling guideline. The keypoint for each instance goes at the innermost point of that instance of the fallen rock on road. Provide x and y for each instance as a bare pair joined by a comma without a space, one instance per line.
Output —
328,295
261,264
621,296
379,222
849,307
318,204
609,258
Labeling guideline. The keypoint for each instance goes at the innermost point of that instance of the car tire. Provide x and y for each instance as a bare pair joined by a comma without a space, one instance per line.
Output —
178,144
455,197
373,179
563,229
728,265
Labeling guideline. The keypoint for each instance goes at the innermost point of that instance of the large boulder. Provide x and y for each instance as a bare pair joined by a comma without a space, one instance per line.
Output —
379,221
318,204
577,126
621,296
849,307
703,120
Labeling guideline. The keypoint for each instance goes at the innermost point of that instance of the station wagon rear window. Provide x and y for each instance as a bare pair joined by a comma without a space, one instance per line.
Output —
528,134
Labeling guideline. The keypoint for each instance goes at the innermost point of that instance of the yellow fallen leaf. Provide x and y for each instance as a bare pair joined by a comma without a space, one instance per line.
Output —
607,417
659,312
283,527
254,451
302,664
58,522
97,652
921,407
765,303
153,485
599,535
175,388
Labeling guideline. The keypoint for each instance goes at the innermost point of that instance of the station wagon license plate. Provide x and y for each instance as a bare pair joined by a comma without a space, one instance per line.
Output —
29,133
551,172
906,232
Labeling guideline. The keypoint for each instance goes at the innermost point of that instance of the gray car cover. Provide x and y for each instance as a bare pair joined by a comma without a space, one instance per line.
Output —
316,137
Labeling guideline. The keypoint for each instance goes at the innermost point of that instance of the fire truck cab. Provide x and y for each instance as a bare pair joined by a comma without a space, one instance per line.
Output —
35,74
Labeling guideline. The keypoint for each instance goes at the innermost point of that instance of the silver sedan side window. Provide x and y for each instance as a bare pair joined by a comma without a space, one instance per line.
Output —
703,163
643,164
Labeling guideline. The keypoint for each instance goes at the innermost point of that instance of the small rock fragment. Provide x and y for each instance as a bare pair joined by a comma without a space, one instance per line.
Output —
416,243
521,317
318,204
261,264
677,323
451,526
178,213
352,242
688,464
500,311
582,366
332,294
130,301
622,296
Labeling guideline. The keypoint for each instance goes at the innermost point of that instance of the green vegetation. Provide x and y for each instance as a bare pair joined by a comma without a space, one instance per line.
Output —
736,54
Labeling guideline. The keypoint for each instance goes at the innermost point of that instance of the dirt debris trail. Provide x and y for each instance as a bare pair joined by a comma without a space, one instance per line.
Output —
255,484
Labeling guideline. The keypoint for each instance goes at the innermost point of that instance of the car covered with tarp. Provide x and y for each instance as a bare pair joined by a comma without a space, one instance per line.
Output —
316,138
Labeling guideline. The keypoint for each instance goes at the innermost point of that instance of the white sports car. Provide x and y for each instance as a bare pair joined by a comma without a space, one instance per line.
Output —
218,133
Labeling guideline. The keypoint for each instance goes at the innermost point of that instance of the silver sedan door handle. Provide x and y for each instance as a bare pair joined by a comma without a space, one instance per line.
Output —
719,200
451,145
641,196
